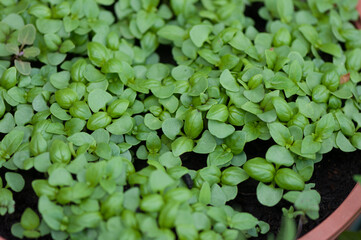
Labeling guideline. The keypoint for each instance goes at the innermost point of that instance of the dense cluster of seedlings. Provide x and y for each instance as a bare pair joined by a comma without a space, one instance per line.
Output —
85,97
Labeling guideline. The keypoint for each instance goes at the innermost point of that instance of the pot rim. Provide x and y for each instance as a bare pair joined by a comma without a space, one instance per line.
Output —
339,220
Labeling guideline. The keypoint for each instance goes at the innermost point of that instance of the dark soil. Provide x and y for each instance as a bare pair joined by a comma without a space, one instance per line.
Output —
24,199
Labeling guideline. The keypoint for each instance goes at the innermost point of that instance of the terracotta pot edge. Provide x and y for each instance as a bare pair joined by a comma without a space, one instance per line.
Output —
339,220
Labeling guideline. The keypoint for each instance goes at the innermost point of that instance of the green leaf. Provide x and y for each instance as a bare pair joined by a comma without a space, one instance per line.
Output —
92,74
209,56
168,160
171,127
58,112
219,129
308,201
77,164
152,122
193,123
325,127
295,71
279,155
31,52
48,25
98,98
66,46
343,143
218,197
206,144
285,10
171,32
74,125
251,107
283,110
182,72
243,221
121,126
268,195
199,34
228,81
189,49
12,48
11,142
159,180
171,103
150,203
233,176
60,177
241,42
310,33
51,213
346,124
17,230
153,143
343,93
7,123
255,95
81,138
218,112
23,114
201,221
55,58
205,193
182,145
60,80
218,214
163,91
42,162
26,35
331,48
236,142
158,72
117,108
280,134
15,181
29,220
145,20
91,9
13,20
186,231
230,192
268,117
23,67
219,157
39,104
70,24
131,199
309,146
98,53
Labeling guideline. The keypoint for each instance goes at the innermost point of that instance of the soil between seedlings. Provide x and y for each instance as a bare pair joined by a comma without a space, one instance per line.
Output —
332,176
24,199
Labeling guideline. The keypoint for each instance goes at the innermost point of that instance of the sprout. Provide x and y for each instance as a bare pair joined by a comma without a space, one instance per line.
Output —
137,114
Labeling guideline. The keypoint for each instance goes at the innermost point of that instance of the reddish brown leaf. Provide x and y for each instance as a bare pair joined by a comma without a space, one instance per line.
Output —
345,78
